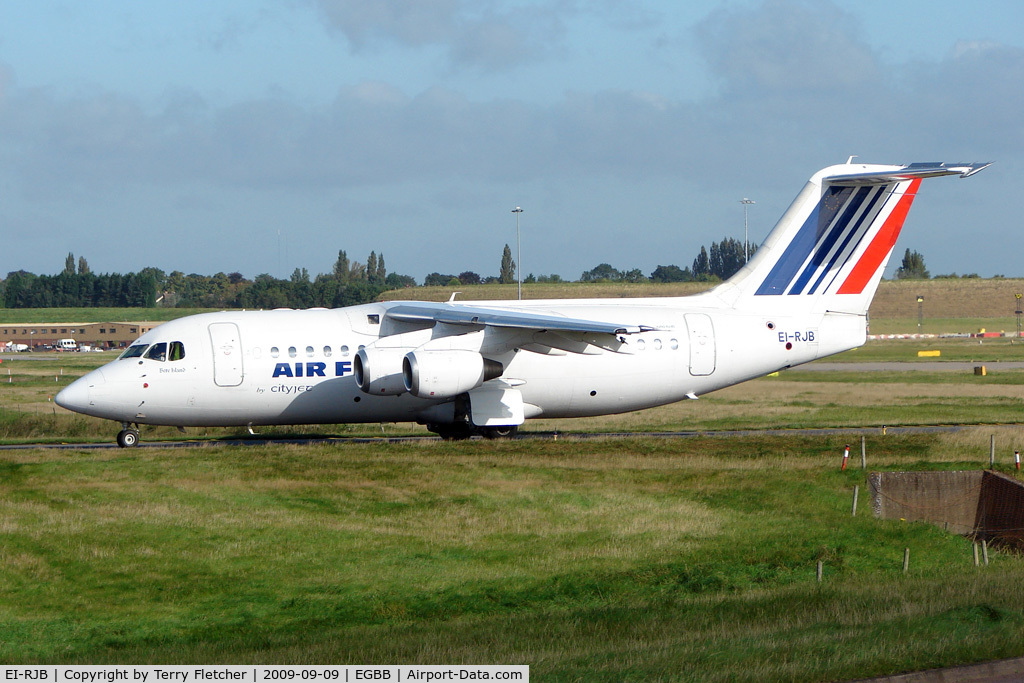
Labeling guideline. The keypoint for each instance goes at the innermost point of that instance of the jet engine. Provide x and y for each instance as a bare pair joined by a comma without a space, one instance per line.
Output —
442,374
379,371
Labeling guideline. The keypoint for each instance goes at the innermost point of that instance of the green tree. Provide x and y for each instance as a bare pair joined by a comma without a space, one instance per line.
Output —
83,266
603,272
702,265
726,258
396,281
341,266
671,274
69,264
507,274
912,267
371,268
438,280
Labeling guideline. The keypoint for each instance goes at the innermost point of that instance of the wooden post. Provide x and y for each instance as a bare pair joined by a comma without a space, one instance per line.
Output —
856,490
863,452
906,560
984,550
819,571
975,544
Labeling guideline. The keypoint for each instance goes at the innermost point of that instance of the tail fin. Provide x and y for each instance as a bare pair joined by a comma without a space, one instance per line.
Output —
828,251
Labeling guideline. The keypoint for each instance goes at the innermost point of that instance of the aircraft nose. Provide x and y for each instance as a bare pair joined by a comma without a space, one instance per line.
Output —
75,396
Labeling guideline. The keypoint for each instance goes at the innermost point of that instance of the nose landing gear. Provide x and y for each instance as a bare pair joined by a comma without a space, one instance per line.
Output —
128,436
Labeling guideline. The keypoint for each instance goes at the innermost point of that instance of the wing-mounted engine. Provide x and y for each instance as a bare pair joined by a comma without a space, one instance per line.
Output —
378,371
447,373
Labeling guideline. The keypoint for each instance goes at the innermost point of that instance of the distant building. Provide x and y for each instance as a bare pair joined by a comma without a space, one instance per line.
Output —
108,335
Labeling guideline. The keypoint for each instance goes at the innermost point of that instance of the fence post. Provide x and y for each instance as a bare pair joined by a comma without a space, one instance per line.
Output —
863,452
984,550
906,560
992,452
856,490
819,571
975,544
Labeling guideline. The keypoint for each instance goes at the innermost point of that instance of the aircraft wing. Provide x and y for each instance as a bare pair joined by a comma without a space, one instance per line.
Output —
458,314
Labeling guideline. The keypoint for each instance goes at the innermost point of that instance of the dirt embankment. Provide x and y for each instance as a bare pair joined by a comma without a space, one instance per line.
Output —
947,298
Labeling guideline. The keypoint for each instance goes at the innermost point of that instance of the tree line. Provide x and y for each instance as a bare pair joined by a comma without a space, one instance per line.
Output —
350,282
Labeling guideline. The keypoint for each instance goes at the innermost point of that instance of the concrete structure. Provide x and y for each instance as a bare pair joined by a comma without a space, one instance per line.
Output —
105,335
984,504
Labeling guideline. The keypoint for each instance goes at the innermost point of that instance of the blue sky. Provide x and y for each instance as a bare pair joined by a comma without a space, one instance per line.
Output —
264,136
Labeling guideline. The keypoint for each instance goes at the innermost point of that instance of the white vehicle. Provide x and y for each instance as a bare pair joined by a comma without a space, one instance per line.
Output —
486,367
66,345
15,348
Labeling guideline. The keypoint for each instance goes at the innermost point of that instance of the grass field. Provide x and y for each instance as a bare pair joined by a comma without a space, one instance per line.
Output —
642,559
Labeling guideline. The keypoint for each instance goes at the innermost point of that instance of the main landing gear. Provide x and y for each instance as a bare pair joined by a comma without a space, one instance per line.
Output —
461,431
128,437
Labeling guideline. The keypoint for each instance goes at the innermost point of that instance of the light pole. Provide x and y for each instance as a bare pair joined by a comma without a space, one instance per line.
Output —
519,254
746,204
1018,313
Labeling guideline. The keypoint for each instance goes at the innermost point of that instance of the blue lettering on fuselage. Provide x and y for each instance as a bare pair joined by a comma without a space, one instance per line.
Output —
311,369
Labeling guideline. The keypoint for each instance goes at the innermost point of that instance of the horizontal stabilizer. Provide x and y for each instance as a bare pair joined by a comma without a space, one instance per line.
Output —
910,172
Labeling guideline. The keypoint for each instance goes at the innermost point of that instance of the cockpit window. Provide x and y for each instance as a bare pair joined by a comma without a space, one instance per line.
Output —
134,351
177,351
157,352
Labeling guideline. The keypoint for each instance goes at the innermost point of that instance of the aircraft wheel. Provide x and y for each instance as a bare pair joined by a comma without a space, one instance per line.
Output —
452,432
501,432
127,438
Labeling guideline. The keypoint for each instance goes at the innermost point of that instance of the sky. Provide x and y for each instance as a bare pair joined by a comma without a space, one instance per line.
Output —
262,136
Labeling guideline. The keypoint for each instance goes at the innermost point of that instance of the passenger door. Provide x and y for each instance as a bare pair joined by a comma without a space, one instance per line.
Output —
702,343
227,354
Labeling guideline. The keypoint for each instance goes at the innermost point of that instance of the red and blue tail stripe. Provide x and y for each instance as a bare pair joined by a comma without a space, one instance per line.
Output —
833,234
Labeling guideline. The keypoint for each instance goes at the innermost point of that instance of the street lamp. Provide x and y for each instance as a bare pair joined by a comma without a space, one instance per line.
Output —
1018,312
746,203
519,254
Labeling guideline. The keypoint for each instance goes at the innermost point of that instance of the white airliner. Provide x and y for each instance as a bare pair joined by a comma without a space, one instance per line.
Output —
486,367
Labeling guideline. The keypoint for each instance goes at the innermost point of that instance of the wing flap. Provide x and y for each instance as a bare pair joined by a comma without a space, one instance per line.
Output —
448,314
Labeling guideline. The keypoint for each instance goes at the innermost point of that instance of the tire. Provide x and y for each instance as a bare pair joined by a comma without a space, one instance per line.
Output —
128,438
501,432
452,432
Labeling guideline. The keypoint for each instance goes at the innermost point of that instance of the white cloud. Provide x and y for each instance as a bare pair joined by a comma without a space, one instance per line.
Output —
482,34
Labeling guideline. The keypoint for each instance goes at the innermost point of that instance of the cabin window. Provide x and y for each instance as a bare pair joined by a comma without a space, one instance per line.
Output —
327,352
344,351
309,351
673,344
292,352
157,352
177,351
373,319
274,352
657,345
641,344
134,351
